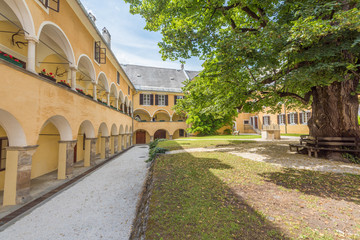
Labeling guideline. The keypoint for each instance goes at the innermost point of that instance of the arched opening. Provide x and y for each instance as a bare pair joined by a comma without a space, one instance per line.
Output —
13,43
86,131
113,96
102,89
121,101
142,115
141,136
85,76
130,108
54,54
54,153
126,105
161,134
178,118
161,116
179,133
103,141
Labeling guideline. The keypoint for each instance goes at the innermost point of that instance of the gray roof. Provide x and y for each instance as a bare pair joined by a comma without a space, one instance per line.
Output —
157,79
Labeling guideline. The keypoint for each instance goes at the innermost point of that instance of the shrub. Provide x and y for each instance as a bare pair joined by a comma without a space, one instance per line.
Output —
154,150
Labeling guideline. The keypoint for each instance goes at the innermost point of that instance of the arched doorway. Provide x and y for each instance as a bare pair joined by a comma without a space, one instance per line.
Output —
161,134
142,137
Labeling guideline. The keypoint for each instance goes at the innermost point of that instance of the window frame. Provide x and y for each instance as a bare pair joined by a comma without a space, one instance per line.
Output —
282,119
267,122
145,96
161,98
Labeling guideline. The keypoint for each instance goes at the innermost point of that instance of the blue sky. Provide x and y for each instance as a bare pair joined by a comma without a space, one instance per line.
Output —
130,42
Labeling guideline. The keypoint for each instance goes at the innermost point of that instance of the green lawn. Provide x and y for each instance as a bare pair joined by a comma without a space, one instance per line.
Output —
293,134
221,137
221,196
184,144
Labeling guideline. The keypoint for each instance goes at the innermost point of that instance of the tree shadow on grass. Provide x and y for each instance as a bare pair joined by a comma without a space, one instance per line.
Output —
189,202
328,185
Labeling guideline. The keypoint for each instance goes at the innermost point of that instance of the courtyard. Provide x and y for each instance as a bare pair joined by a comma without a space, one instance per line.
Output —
251,190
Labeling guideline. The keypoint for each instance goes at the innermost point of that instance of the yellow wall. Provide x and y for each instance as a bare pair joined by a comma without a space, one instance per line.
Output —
45,159
5,41
80,148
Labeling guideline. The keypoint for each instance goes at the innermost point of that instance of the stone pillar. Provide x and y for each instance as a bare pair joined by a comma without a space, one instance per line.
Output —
94,91
112,146
119,142
117,103
17,174
105,147
90,151
93,151
66,158
108,98
171,137
116,144
30,64
151,138
131,140
73,78
123,141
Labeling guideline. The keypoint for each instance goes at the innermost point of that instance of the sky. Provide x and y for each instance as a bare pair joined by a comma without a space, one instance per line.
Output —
130,42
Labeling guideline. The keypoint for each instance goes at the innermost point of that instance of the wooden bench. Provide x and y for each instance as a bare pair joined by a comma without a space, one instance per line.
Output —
305,142
336,144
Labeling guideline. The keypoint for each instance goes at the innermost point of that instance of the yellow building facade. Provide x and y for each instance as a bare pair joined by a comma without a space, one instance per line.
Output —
65,97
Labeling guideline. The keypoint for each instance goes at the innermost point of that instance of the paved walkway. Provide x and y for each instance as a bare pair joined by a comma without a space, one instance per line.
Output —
101,206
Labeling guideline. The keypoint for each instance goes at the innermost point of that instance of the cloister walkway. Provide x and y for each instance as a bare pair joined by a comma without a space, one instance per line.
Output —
100,206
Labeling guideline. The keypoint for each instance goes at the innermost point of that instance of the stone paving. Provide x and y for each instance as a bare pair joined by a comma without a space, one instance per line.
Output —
100,206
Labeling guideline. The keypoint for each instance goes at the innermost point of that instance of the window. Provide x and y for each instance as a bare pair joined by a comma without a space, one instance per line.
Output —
146,99
3,144
304,117
161,100
51,4
176,98
293,118
281,119
118,78
100,53
266,120
181,133
128,90
246,122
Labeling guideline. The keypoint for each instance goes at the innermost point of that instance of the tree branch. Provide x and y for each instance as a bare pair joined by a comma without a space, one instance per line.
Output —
305,100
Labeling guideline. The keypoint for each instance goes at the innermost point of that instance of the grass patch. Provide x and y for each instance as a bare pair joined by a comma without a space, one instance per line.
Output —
292,134
221,137
221,196
184,144
190,202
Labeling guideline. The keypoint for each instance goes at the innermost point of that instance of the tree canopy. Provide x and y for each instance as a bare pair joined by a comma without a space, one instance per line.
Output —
258,52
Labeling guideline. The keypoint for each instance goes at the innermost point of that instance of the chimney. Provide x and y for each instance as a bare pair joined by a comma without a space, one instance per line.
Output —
92,17
182,66
107,36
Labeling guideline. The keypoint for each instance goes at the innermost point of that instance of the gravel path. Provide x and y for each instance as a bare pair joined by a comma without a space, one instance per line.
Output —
278,153
101,206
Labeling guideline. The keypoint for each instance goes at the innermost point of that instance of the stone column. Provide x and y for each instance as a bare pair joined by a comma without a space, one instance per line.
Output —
116,144
123,142
31,58
151,138
90,151
117,103
171,137
94,91
105,150
66,158
131,140
17,174
73,78
93,151
108,98
119,142
112,146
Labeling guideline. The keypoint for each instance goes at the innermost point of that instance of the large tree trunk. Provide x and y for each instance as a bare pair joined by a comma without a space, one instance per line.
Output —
335,110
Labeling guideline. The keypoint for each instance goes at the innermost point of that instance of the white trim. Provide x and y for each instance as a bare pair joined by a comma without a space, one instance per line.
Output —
161,110
88,128
104,130
107,82
116,91
66,44
93,68
22,12
143,110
